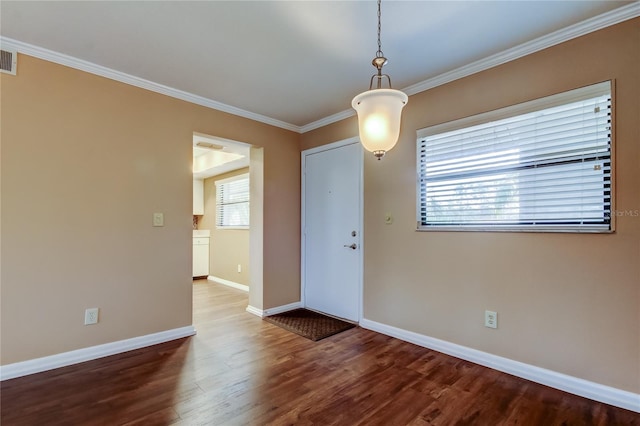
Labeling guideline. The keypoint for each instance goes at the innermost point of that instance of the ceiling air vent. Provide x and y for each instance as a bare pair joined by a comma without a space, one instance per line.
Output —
8,61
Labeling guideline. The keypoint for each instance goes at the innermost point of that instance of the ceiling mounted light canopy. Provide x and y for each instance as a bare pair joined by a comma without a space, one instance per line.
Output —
379,110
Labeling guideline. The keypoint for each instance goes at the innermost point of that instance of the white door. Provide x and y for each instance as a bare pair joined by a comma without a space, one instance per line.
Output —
332,216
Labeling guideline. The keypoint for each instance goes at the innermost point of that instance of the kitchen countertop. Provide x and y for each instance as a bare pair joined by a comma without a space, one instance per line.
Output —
200,233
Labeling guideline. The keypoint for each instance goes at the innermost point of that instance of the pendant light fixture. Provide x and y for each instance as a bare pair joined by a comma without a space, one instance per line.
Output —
379,110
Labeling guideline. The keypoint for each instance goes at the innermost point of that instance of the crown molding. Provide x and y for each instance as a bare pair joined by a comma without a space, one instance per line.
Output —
574,31
596,23
328,120
577,30
79,64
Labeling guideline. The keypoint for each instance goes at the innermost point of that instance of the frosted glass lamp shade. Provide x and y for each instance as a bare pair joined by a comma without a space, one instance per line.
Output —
379,113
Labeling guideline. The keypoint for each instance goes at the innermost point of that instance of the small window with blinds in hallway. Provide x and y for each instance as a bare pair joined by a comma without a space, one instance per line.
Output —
232,202
544,165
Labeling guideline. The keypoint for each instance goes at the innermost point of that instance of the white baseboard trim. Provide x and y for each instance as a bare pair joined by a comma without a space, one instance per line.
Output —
38,365
255,311
272,311
228,283
281,309
574,385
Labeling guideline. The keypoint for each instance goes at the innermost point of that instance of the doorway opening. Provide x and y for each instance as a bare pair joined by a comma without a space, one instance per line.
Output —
227,209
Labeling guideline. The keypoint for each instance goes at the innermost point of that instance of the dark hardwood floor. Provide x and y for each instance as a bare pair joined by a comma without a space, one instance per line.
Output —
240,370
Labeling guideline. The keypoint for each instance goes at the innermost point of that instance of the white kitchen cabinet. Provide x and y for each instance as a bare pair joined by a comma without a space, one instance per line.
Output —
198,197
200,256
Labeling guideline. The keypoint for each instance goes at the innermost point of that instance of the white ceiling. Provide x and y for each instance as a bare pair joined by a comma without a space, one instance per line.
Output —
296,62
223,156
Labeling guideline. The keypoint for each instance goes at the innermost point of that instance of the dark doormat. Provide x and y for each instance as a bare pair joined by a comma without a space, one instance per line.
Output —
309,324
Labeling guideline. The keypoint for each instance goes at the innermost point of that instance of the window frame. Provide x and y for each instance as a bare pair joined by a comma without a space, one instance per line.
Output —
218,184
558,99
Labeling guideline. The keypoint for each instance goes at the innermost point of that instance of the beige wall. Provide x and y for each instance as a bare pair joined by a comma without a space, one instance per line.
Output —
85,163
565,302
228,248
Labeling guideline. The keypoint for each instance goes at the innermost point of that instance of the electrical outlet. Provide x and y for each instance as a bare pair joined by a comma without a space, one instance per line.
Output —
490,319
239,268
91,316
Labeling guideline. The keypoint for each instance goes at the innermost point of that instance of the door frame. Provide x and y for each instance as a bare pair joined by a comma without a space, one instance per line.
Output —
360,228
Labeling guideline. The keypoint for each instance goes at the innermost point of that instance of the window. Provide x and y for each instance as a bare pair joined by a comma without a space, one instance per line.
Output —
232,202
544,165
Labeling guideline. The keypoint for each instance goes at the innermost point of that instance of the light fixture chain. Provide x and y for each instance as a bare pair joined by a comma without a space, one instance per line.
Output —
379,111
379,53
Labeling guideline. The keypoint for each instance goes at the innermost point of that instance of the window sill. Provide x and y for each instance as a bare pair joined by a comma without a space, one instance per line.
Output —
596,229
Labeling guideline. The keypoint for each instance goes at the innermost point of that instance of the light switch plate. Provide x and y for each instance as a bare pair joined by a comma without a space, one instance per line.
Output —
158,219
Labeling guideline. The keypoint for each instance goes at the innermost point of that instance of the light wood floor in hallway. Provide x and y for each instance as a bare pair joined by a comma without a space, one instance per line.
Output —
240,370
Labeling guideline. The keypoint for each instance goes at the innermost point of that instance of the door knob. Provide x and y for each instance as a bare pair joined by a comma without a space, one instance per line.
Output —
352,246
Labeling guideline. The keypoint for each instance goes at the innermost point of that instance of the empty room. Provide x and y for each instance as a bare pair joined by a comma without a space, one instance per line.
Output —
320,212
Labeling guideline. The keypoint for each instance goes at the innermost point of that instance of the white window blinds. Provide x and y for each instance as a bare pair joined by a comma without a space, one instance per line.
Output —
232,202
544,165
